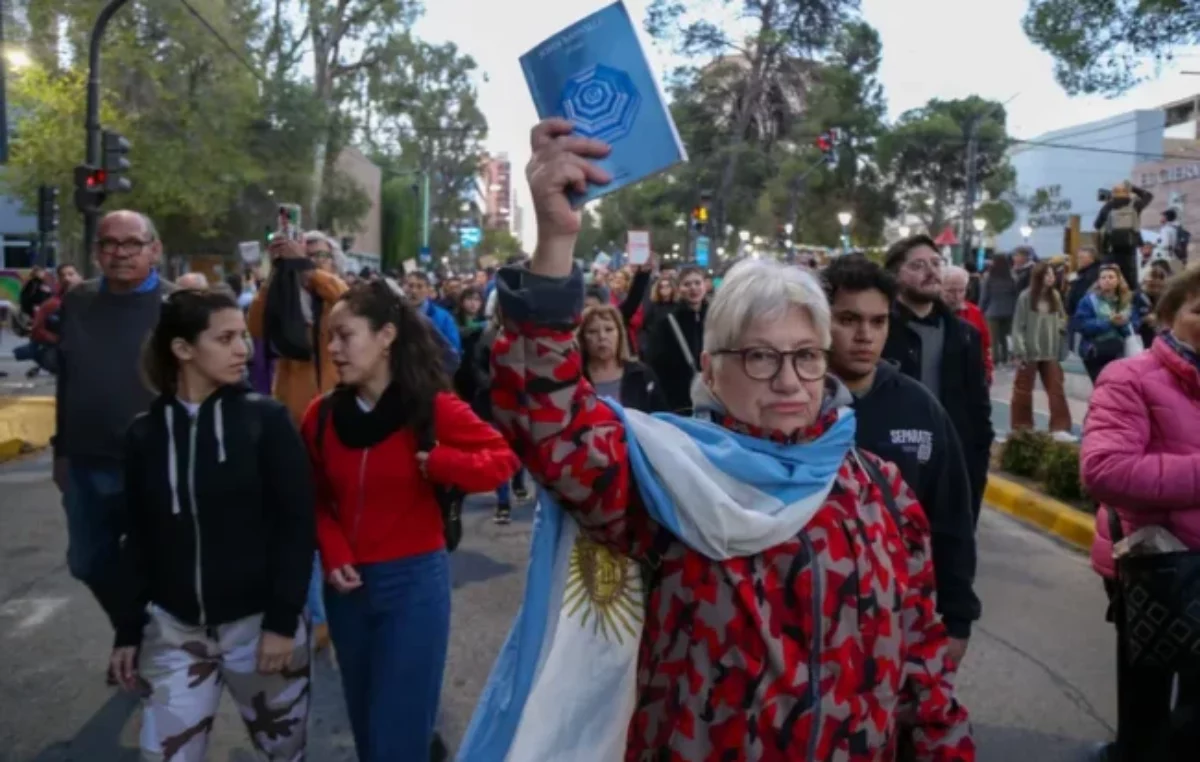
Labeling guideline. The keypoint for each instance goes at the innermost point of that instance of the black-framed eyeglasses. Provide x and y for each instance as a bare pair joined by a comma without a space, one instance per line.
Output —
126,246
764,363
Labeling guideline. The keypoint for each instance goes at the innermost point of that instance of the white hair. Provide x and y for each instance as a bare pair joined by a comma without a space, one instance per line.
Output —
957,272
757,289
192,280
340,263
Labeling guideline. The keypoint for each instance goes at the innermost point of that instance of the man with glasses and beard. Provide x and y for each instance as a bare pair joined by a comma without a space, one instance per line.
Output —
933,345
103,324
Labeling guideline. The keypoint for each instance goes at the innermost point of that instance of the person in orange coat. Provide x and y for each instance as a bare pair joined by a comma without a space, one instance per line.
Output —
297,382
954,294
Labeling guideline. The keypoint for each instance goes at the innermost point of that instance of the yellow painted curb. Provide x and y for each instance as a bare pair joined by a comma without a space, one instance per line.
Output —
26,424
1069,524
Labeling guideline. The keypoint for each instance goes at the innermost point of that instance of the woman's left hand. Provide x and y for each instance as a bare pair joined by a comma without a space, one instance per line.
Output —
274,652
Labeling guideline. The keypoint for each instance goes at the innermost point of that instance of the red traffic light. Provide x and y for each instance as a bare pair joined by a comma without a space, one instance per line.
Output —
97,179
825,142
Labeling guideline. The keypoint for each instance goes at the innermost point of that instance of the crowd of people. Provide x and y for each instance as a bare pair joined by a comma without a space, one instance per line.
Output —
795,456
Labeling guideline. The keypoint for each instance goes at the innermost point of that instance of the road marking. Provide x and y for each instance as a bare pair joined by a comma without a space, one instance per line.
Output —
30,613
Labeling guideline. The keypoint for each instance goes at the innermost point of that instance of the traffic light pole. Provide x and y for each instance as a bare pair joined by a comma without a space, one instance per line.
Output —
92,124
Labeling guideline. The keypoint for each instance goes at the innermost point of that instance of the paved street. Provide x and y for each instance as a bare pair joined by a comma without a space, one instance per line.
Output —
15,383
1038,678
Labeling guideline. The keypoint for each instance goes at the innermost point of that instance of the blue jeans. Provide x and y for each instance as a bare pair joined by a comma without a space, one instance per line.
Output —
316,589
504,491
391,637
94,501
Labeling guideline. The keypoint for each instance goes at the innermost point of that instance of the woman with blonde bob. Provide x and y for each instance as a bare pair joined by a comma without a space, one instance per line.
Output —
787,609
608,362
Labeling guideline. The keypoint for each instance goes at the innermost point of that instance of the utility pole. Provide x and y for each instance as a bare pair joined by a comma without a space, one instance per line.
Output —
3,92
92,147
425,210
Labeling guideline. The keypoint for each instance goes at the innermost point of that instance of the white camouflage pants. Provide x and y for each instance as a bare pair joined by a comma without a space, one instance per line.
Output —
185,669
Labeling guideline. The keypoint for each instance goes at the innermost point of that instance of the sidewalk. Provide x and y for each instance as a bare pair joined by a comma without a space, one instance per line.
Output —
1077,385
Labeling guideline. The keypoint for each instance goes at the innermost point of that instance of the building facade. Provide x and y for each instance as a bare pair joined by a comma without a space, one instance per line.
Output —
496,186
368,239
1061,173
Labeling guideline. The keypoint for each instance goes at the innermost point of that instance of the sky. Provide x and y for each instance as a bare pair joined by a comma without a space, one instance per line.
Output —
931,49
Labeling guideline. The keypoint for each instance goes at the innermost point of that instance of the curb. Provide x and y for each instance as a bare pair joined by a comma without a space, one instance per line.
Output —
26,424
1071,525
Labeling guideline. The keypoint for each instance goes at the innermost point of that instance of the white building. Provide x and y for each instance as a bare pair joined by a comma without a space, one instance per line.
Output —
1065,170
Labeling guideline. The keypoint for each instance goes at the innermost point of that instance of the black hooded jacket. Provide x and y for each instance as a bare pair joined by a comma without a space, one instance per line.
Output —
964,391
899,420
219,518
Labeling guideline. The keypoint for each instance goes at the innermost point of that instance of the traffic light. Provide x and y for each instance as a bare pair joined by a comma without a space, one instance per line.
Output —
89,189
700,214
47,210
115,165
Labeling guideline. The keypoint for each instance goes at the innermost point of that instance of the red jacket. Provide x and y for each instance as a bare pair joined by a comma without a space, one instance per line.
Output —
374,505
974,317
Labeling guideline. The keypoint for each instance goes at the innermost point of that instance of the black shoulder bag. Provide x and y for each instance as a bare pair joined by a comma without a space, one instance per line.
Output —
450,499
1159,596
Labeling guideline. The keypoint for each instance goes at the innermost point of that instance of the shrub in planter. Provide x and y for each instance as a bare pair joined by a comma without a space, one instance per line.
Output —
1024,453
1060,472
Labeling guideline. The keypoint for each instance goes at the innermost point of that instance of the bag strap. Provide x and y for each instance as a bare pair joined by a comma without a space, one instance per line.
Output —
317,306
877,478
683,346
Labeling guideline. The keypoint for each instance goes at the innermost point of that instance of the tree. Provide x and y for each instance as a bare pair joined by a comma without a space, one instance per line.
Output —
424,118
499,243
1102,46
782,37
926,156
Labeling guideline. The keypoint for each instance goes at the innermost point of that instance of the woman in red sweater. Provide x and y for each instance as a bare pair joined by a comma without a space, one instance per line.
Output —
379,524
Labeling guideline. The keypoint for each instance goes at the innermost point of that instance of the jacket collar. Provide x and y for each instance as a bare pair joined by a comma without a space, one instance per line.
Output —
1187,373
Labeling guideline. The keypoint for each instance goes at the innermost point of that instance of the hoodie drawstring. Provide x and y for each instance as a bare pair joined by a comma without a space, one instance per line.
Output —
219,427
172,457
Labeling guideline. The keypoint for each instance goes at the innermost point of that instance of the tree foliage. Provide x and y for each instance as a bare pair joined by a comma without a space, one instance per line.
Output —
926,153
1104,46
226,125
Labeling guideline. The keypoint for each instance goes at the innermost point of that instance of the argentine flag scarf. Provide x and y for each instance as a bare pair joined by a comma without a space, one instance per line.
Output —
564,684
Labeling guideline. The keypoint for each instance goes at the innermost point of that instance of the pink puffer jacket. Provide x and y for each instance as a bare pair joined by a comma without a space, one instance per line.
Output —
1141,448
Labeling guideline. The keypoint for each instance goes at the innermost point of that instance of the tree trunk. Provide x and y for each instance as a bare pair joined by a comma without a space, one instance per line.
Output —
749,101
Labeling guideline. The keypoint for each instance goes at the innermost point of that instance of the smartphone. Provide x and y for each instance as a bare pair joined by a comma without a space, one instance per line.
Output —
288,223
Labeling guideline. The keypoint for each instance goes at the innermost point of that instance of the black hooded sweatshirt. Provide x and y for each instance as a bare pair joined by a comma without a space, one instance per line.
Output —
899,420
219,518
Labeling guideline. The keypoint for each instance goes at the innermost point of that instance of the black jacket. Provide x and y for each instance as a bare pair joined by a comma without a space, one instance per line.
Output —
668,360
219,517
1085,278
640,389
964,389
899,420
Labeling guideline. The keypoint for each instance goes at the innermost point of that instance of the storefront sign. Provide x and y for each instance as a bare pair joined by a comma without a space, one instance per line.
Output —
1174,174
1049,208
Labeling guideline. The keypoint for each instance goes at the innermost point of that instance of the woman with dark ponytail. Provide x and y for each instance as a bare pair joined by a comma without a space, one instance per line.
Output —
382,443
210,585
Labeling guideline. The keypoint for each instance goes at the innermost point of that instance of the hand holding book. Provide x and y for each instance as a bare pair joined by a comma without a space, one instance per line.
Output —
560,164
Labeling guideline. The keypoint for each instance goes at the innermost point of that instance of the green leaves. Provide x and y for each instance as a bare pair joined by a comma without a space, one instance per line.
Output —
1108,46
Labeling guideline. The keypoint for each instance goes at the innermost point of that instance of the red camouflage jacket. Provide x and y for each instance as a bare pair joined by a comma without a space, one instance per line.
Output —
726,667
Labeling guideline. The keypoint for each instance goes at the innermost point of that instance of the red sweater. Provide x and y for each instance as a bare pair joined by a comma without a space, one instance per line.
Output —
974,316
374,505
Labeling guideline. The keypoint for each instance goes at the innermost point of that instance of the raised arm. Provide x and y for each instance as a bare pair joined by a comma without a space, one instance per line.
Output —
574,445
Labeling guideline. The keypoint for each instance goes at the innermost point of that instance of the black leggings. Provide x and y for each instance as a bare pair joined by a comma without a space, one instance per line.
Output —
1147,728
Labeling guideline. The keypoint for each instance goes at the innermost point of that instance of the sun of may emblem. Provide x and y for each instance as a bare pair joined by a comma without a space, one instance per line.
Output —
606,588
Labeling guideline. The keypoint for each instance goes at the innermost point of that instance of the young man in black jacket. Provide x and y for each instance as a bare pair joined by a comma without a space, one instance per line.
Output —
934,346
899,420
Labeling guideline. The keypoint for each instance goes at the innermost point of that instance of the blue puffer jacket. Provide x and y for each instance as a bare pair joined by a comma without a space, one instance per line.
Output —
1091,325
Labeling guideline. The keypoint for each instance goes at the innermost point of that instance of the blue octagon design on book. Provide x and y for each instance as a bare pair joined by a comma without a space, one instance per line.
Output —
602,102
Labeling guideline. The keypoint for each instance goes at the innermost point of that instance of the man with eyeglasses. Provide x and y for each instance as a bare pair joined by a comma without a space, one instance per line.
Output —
103,324
933,345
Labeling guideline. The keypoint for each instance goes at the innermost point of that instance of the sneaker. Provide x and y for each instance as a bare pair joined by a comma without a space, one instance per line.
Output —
503,514
521,494
1064,436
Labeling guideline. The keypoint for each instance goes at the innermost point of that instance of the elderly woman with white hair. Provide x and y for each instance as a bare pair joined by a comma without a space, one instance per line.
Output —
956,283
739,585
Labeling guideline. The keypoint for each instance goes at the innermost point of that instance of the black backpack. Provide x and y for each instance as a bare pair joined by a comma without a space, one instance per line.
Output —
450,499
1182,239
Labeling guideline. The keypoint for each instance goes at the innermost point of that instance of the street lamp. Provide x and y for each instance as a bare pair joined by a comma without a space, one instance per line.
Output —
788,228
720,251
844,218
1026,231
758,240
744,235
905,231
980,224
674,247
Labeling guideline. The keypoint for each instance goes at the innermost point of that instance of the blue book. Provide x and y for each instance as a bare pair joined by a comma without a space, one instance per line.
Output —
595,74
